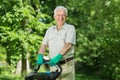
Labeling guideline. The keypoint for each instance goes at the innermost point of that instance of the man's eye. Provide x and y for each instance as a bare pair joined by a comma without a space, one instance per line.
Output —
61,15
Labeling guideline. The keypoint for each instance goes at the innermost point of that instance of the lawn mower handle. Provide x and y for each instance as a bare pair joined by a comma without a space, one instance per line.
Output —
57,66
53,75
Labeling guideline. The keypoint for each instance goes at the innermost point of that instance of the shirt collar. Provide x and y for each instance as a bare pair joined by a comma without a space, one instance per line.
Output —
63,27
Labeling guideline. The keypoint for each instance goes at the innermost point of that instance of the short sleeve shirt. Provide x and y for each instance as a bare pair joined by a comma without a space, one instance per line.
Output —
57,39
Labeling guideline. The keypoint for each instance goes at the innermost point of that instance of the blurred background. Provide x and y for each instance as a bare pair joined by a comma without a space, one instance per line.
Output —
23,24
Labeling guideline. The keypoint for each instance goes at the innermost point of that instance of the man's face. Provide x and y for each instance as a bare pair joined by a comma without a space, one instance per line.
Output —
60,17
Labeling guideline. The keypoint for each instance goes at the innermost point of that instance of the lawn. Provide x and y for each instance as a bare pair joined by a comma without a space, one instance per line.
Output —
81,76
78,77
7,73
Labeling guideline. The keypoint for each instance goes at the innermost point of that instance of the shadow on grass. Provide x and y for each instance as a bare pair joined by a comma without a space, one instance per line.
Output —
80,76
7,79
2,77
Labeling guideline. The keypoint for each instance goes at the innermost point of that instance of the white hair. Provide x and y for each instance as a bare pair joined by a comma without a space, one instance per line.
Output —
60,7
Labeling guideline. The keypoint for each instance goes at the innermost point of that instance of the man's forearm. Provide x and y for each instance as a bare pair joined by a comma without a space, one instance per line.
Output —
66,47
42,49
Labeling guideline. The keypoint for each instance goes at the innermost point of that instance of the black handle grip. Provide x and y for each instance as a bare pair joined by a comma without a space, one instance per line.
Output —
57,66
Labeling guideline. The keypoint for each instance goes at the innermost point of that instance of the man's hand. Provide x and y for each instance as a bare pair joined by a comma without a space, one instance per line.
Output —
40,59
53,61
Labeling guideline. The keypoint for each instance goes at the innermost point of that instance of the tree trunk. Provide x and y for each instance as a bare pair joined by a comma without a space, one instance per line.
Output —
22,69
24,65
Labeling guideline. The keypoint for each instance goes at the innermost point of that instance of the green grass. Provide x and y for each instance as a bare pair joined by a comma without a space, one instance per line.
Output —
81,76
10,77
78,77
7,73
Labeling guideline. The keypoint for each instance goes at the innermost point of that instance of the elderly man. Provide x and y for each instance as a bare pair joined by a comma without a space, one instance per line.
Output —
60,40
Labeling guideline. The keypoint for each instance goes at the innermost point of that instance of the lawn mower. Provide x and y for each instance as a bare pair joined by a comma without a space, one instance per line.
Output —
35,75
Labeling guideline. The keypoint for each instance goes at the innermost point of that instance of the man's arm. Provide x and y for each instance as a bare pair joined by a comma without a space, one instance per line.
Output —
40,54
42,49
66,47
59,56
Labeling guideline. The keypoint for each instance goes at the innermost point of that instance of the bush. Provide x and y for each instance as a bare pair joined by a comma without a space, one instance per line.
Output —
7,73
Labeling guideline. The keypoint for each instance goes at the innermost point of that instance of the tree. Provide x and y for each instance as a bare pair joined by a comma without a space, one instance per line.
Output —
97,25
21,29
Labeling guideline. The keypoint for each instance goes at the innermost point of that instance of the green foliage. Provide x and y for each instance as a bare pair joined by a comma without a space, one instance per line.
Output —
6,73
21,29
97,25
2,53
